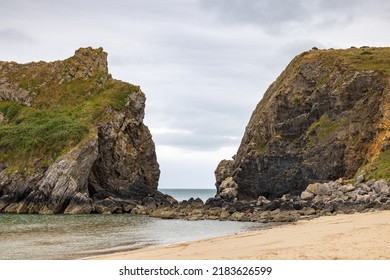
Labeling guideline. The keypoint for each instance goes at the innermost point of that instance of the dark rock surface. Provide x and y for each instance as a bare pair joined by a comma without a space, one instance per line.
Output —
326,116
126,164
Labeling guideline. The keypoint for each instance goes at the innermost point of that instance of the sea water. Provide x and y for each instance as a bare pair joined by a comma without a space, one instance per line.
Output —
185,194
76,236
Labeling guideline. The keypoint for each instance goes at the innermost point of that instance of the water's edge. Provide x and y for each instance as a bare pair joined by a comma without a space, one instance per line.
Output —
79,236
256,227
61,236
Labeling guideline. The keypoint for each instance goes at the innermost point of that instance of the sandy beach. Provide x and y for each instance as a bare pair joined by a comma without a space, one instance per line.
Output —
363,236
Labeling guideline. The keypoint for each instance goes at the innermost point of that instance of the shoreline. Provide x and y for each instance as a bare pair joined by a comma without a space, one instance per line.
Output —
359,236
124,250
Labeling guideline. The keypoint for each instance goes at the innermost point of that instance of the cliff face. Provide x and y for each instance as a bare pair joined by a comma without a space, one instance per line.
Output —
71,137
327,116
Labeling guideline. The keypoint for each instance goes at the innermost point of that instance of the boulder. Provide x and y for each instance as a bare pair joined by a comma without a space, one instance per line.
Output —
228,189
305,195
229,193
106,206
79,204
261,200
139,210
309,211
385,190
223,171
378,185
347,188
164,213
360,178
319,189
224,215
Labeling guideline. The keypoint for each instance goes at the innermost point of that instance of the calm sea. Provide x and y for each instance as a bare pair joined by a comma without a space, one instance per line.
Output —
78,236
185,194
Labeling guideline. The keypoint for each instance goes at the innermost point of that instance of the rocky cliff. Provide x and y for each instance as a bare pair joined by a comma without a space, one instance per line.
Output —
72,138
327,116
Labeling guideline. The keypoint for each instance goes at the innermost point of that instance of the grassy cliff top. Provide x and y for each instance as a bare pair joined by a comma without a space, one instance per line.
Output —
68,99
364,58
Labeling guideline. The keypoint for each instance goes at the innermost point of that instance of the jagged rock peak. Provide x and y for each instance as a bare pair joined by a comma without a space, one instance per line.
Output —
22,83
86,63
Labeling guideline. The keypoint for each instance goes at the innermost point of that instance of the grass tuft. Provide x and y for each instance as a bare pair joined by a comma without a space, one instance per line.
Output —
60,117
380,167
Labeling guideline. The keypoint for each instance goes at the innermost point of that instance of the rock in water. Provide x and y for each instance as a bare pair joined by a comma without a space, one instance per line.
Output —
70,135
325,117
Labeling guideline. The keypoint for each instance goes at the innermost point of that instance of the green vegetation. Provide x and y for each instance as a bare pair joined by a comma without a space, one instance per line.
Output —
29,84
323,129
41,134
61,116
379,168
364,58
298,99
366,53
260,149
10,109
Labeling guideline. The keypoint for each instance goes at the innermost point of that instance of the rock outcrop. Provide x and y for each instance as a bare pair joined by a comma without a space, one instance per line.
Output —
318,199
72,139
327,116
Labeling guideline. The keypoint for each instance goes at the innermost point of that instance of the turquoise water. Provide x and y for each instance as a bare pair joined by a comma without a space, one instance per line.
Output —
185,194
76,236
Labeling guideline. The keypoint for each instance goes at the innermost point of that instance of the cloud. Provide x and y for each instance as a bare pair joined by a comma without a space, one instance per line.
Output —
197,129
195,141
272,15
182,168
13,35
276,17
203,64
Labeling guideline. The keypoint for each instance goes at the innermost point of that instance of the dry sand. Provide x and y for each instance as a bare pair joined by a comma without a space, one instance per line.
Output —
358,236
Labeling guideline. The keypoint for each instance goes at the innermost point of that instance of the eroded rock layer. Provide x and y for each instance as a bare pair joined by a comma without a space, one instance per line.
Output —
327,116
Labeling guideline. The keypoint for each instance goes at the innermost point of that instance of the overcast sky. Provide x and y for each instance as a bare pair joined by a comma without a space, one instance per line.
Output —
203,64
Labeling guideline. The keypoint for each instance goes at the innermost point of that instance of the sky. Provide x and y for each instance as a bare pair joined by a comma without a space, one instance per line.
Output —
202,64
